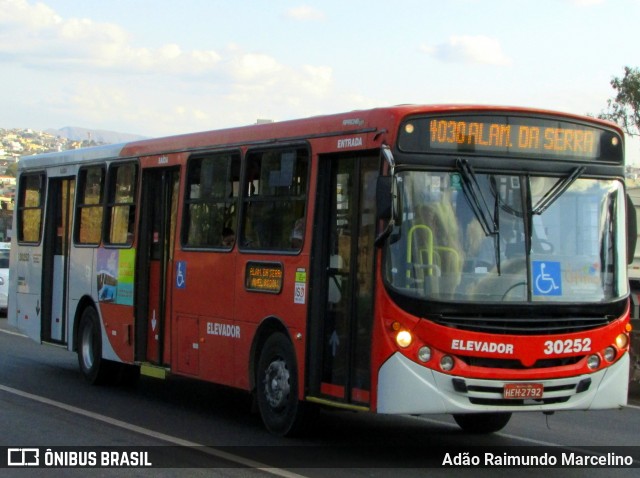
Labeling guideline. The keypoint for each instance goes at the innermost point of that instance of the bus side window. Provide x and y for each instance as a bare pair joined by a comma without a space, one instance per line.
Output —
90,205
30,206
210,213
121,206
275,198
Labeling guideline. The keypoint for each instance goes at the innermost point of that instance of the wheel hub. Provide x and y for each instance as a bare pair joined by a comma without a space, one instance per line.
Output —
276,384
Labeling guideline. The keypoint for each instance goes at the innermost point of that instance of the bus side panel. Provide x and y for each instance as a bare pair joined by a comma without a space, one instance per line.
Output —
204,331
27,271
287,306
82,282
80,272
118,326
218,343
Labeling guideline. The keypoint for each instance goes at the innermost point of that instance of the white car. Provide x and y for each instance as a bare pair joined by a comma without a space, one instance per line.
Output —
4,276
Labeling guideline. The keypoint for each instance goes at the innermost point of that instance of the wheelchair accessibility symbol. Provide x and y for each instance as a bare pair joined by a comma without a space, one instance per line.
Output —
547,278
181,274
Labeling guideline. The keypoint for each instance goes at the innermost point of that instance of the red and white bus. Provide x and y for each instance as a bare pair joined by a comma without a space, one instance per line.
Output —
467,260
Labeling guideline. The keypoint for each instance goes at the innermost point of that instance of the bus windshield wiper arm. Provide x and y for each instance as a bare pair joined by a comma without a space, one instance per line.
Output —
474,195
557,190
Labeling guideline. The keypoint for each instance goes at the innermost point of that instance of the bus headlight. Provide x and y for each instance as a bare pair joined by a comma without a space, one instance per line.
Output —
622,341
609,353
403,339
447,363
593,362
424,354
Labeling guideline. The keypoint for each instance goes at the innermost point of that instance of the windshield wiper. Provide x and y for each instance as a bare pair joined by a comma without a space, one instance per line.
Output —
474,195
557,190
479,206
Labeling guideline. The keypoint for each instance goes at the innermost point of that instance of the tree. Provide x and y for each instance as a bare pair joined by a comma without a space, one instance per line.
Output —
12,169
624,109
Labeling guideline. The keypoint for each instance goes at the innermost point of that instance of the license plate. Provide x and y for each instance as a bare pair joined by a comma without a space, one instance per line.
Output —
523,390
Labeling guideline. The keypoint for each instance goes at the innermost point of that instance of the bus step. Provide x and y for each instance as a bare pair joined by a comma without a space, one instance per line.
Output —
155,371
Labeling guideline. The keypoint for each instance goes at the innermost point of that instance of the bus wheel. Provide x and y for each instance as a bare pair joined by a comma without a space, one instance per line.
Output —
277,387
482,422
92,366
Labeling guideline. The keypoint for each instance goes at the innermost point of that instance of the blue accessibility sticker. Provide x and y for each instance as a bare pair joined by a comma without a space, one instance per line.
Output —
181,274
547,278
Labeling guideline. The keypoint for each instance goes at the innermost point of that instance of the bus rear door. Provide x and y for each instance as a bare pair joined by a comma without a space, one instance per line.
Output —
55,261
154,264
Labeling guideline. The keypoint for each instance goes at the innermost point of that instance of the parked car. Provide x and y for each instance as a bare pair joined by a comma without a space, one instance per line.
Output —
4,276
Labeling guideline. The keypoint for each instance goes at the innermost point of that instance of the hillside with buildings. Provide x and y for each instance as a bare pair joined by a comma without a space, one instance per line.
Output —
15,143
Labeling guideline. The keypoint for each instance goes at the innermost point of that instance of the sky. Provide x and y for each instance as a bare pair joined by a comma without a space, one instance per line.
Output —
162,67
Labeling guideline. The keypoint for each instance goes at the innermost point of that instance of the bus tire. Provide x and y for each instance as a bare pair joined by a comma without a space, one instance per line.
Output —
277,387
93,367
482,422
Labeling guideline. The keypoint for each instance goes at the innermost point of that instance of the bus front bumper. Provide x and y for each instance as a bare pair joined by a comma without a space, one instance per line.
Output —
405,387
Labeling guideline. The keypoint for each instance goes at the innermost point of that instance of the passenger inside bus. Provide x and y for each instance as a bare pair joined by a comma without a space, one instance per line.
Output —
228,237
297,234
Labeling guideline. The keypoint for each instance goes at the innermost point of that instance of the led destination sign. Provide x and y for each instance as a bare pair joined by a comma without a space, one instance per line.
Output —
517,137
264,277
510,135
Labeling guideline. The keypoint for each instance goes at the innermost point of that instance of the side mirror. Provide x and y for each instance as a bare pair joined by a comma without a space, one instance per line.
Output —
387,198
632,230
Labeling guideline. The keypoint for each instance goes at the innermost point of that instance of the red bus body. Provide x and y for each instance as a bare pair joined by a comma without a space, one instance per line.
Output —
211,312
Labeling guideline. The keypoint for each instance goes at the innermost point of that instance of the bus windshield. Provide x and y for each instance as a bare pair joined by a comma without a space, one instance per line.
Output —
517,238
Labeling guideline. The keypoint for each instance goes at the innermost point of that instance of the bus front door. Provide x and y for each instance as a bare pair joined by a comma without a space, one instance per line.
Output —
55,261
154,264
342,294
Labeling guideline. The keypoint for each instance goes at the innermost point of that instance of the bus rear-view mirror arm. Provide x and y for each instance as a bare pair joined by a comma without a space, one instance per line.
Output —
632,230
387,200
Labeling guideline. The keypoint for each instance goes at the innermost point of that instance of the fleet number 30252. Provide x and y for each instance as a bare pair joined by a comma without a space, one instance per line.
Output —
567,346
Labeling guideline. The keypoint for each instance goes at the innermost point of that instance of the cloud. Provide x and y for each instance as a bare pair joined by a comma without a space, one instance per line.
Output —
305,13
478,49
35,36
96,74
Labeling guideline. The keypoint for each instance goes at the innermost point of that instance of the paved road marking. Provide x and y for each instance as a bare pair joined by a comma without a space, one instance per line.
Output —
10,332
153,434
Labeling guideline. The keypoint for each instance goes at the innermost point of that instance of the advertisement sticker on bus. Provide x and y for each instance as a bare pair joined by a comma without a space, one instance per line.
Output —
115,273
300,289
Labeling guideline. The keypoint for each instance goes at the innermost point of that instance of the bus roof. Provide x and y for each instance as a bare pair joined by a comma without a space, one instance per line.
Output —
352,122
71,156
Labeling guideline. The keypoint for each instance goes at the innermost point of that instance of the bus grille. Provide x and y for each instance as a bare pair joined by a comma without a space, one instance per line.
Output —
525,325
484,392
511,364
